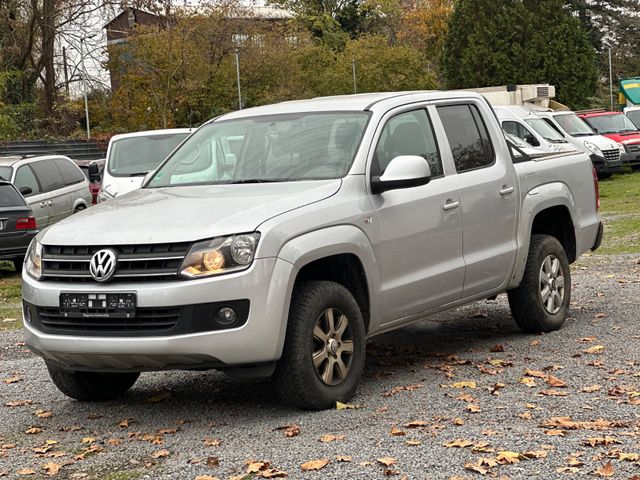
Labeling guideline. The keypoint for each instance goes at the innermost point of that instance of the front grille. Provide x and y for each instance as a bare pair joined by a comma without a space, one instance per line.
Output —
145,320
635,148
611,155
136,263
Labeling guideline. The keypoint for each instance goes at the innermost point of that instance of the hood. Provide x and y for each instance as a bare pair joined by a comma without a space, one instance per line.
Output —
116,186
185,214
624,138
600,141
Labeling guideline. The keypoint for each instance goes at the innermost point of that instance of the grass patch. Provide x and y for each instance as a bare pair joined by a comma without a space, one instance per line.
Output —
620,209
10,297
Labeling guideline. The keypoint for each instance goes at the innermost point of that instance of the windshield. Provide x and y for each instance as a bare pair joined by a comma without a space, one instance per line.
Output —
545,130
138,155
272,148
5,173
573,125
616,123
634,116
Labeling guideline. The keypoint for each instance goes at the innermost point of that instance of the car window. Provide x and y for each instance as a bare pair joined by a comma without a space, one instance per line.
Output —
408,133
9,196
26,178
613,123
5,173
468,137
547,132
48,175
634,116
71,174
516,129
573,125
138,155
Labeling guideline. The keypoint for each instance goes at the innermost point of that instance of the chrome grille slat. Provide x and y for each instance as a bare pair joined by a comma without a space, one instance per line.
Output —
153,262
611,155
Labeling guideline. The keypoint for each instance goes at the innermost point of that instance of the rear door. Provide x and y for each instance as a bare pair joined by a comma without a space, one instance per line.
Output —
488,197
37,198
12,207
56,196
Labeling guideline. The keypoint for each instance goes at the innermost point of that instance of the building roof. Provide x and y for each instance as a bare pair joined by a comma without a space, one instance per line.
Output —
126,10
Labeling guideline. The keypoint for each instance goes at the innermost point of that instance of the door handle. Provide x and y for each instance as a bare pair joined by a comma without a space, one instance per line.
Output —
43,204
450,205
506,190
50,202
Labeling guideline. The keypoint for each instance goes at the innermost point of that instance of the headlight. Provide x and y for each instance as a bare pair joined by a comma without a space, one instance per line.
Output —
622,149
33,261
593,149
104,196
220,255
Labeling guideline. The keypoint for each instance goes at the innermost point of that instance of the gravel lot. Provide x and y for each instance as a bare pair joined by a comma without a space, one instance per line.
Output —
457,376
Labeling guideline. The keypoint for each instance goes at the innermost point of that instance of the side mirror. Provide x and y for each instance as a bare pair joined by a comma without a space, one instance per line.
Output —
94,173
404,171
531,140
26,191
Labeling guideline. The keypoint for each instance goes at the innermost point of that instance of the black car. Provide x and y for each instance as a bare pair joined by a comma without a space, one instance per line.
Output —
17,225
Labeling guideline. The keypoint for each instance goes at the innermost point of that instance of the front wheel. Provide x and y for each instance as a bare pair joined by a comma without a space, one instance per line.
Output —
324,349
541,301
92,386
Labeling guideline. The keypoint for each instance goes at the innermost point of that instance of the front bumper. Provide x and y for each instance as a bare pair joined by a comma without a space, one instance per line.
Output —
605,166
631,159
267,286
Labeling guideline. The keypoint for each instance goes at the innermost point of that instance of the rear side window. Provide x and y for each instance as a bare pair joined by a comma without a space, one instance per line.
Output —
468,137
407,134
9,196
48,174
26,178
71,174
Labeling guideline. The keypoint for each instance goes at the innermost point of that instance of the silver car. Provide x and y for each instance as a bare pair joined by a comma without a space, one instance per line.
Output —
53,185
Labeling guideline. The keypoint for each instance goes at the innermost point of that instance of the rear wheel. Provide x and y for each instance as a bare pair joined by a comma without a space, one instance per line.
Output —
92,386
324,350
541,301
79,208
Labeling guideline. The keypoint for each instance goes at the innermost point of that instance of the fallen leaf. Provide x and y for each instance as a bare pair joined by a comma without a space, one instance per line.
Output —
125,423
255,467
272,473
458,421
206,477
591,389
33,430
535,454
290,430
396,432
412,443
160,454
52,468
315,464
387,461
14,379
19,403
596,349
331,438
473,408
497,348
552,393
555,382
597,441
343,458
554,433
347,406
507,457
528,381
458,443
465,384
629,457
535,373
606,470
212,442
417,424
26,471
43,414
88,439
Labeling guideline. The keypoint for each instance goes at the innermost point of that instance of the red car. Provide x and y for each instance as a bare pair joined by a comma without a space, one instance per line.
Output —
617,127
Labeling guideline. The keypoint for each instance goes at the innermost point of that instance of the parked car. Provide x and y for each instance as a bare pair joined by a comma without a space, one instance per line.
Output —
617,127
606,154
529,127
93,170
338,219
130,156
17,225
633,114
53,185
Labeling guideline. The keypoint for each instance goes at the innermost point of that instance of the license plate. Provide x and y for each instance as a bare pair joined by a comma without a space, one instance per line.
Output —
98,305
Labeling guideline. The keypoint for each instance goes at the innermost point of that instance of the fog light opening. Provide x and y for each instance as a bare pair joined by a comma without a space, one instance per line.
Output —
226,316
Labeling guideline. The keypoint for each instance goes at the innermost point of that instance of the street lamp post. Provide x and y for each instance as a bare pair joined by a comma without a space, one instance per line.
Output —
84,86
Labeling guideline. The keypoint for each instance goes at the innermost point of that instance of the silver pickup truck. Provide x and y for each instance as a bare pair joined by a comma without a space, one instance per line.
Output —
275,240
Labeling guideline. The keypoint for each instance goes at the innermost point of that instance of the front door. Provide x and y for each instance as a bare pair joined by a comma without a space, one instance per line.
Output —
419,230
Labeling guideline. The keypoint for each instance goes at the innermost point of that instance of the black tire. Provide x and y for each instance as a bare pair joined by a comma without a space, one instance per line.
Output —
92,386
17,264
79,208
526,302
297,380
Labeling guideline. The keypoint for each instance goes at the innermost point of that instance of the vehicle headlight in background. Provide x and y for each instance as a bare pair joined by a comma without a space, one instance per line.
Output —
593,149
33,260
104,196
622,149
220,255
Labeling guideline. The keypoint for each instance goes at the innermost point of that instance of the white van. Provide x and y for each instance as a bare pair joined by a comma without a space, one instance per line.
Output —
130,156
522,123
605,153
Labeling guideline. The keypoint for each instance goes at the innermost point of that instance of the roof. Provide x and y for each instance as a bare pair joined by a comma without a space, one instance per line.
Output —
598,114
348,103
149,133
10,161
126,10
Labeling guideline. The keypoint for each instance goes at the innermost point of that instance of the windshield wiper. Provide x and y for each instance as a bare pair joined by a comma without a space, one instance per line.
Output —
137,174
255,180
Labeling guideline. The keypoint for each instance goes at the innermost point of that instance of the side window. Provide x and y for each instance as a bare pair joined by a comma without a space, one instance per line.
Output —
70,173
468,137
408,133
517,129
48,174
26,178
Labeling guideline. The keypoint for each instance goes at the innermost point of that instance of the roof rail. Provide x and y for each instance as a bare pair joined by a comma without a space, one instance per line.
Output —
592,110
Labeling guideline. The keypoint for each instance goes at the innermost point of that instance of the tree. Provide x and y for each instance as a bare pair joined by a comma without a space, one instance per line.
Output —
424,26
499,42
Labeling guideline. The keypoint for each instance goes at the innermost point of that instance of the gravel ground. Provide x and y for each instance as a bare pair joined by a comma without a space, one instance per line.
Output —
207,424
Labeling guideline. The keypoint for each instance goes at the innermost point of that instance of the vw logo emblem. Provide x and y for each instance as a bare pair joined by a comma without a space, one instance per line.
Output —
102,265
